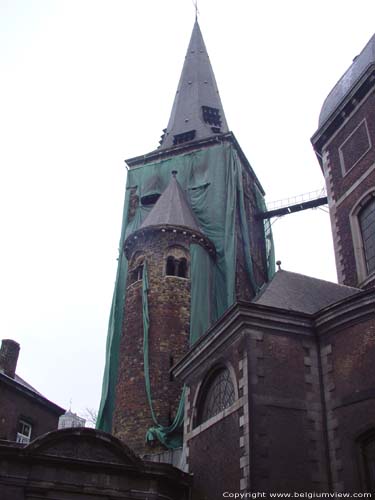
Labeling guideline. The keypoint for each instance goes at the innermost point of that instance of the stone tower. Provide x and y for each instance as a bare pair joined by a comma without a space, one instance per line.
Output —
191,246
344,144
156,331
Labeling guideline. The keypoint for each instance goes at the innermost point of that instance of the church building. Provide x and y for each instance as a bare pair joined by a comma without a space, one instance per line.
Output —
248,379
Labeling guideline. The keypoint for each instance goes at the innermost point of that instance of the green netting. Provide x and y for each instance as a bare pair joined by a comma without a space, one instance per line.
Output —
270,248
212,180
201,267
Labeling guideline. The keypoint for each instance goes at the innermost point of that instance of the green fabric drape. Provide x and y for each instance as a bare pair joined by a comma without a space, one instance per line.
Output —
212,180
168,435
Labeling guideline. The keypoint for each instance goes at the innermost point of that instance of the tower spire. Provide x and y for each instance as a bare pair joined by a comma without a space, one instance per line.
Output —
197,112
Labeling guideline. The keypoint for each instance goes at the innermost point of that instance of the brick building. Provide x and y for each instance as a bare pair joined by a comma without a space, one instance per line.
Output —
25,414
277,369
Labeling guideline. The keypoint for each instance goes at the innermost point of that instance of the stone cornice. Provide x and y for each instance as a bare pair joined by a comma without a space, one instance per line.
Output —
159,155
244,318
352,310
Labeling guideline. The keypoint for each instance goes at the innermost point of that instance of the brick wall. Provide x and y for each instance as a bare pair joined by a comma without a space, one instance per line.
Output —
286,413
347,186
216,441
349,385
16,405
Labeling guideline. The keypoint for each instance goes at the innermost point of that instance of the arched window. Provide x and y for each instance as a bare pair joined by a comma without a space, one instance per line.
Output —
218,394
367,448
362,223
177,262
366,218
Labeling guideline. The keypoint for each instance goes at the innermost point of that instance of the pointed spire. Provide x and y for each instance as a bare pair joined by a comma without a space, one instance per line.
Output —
172,209
197,112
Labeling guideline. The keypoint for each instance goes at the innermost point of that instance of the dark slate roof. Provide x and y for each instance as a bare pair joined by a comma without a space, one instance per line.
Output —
360,65
197,87
172,208
297,292
24,387
20,380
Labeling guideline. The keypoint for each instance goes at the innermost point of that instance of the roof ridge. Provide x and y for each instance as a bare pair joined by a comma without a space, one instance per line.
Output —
317,279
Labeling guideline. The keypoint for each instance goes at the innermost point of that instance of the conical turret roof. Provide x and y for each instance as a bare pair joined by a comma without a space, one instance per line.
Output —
172,209
197,112
171,213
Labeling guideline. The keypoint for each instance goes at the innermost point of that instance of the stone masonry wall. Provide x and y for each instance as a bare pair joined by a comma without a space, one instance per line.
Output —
169,312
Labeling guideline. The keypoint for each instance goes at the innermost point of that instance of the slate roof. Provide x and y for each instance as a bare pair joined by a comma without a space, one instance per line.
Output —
297,292
20,380
360,65
172,208
197,87
24,387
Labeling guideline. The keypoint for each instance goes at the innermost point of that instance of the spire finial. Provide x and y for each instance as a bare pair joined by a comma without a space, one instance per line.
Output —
195,3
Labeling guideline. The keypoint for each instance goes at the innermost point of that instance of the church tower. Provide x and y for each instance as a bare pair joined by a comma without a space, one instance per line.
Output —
345,147
191,246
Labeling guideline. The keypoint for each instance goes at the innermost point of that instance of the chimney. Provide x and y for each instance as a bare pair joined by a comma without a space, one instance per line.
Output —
9,356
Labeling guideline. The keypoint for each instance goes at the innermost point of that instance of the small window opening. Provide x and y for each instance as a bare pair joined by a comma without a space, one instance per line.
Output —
184,137
182,268
171,266
171,363
150,199
211,116
23,432
136,274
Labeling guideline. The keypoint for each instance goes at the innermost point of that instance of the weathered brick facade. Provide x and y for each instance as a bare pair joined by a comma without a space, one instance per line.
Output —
306,399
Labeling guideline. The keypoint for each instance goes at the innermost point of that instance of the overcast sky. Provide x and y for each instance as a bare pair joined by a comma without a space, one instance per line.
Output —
85,84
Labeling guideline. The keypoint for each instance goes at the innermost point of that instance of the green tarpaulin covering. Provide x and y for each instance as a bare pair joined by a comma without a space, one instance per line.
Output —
212,180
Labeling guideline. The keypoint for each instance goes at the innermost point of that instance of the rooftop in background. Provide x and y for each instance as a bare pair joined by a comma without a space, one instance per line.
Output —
9,351
197,112
347,82
297,292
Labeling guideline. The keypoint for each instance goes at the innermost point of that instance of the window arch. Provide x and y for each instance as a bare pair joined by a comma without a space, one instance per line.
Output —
176,264
362,221
218,394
